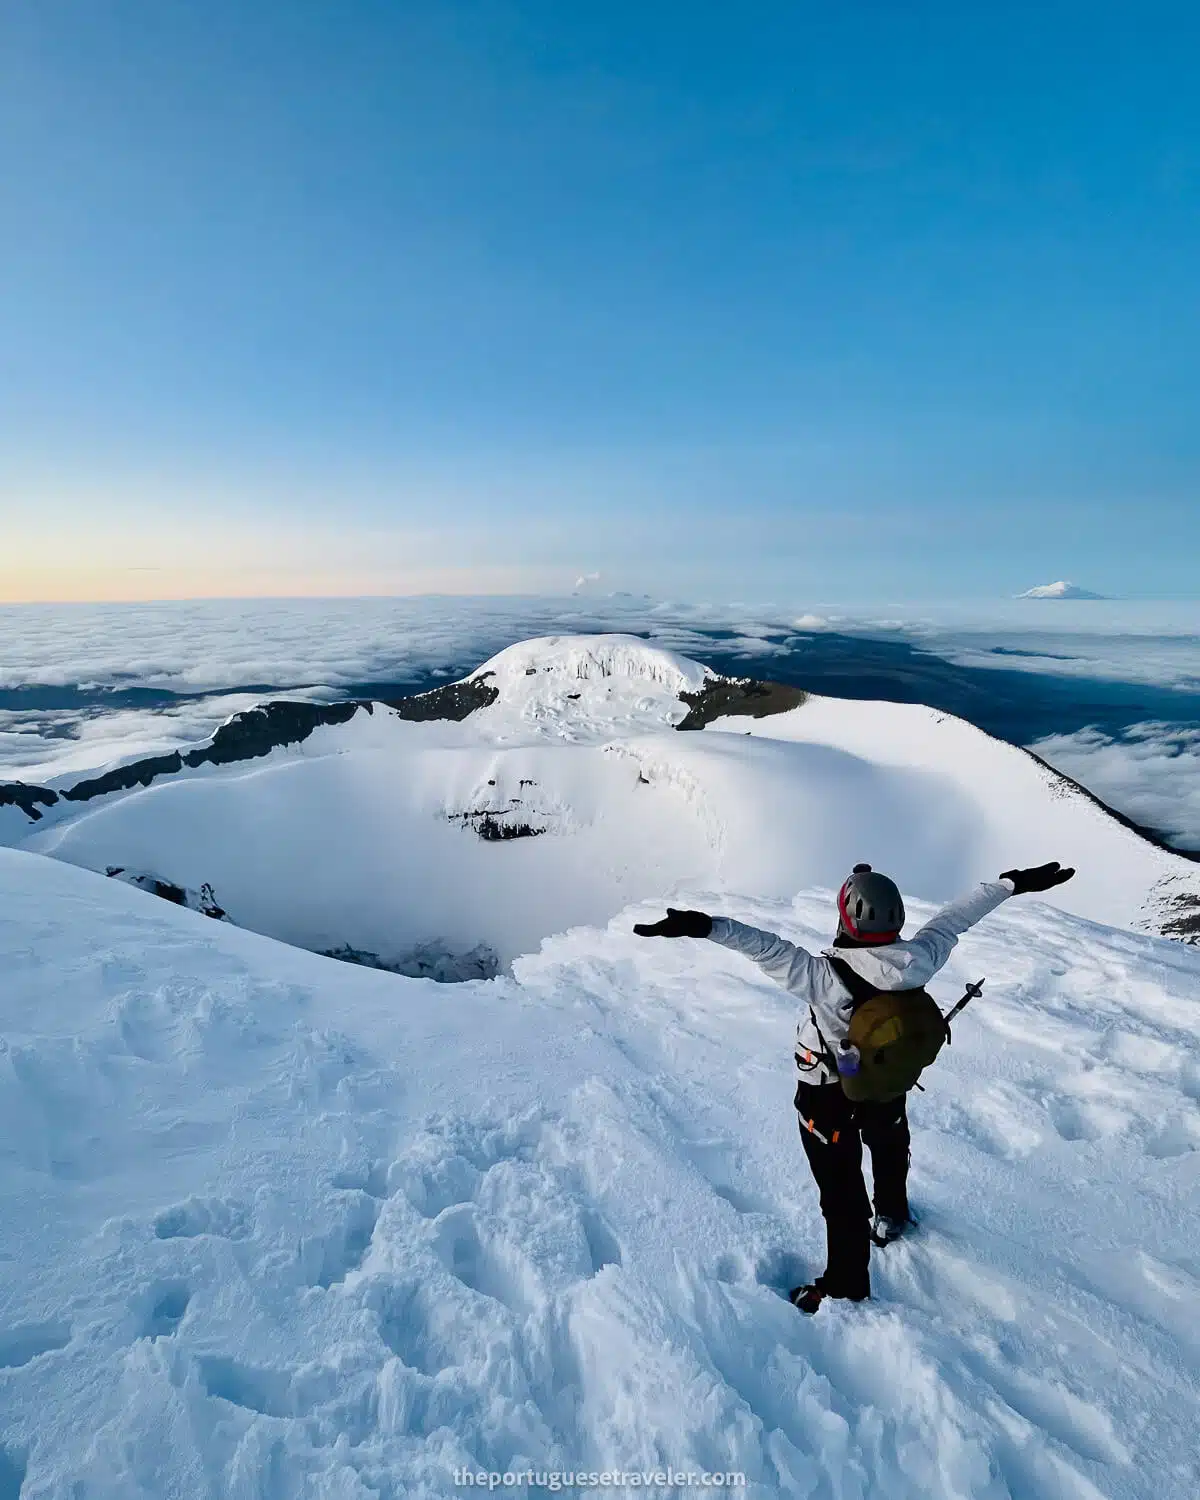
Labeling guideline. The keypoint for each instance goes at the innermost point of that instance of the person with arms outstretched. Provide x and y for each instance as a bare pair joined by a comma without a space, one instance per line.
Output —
867,963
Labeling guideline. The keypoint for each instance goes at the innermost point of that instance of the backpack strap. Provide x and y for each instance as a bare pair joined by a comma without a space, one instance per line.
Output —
860,989
826,1055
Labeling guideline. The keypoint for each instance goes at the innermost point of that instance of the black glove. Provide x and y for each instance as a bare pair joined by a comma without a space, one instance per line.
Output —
696,924
1041,878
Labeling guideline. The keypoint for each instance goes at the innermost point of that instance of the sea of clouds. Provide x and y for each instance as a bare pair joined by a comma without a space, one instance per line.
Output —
223,645
213,645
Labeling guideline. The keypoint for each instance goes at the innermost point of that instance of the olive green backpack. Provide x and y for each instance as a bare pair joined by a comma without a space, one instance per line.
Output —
898,1033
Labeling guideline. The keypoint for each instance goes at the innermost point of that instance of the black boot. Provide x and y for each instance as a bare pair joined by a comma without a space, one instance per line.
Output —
885,1228
809,1298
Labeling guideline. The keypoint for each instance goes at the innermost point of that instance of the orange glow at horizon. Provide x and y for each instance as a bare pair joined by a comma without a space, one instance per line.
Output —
144,585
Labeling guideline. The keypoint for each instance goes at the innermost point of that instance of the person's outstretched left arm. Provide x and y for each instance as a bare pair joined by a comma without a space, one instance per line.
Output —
918,959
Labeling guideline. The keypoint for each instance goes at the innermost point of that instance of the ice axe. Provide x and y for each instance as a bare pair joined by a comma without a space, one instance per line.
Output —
973,990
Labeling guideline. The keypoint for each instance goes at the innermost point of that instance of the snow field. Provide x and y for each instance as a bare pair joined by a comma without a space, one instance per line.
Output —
286,1227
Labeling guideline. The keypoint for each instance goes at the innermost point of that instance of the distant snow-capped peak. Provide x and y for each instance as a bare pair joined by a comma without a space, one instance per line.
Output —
1060,590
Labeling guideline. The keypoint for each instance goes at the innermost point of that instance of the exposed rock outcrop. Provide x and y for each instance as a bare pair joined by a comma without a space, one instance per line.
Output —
1181,918
426,961
204,900
456,701
738,695
258,731
497,825
30,799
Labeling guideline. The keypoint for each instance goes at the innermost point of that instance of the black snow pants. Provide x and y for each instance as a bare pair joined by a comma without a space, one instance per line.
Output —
837,1167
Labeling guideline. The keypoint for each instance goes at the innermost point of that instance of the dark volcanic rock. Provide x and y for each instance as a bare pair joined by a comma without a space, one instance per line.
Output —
1182,919
246,736
203,901
738,695
166,890
456,701
260,730
493,831
431,960
140,773
27,798
496,825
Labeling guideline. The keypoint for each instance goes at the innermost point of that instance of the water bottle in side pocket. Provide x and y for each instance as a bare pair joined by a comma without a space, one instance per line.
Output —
848,1058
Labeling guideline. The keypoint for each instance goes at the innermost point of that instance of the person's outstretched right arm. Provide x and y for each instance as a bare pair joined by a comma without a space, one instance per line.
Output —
786,963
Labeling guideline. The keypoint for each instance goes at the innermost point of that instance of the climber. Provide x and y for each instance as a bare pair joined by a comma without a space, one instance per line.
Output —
868,961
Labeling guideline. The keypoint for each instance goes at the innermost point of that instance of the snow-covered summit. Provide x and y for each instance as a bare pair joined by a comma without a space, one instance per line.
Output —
585,658
1060,590
589,686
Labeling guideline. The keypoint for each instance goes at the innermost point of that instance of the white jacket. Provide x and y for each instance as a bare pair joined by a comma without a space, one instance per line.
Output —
895,966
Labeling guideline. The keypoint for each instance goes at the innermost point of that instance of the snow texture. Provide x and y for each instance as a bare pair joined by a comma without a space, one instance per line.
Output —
283,1227
286,1228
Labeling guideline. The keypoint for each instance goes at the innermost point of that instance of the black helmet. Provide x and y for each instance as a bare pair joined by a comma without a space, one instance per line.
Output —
870,907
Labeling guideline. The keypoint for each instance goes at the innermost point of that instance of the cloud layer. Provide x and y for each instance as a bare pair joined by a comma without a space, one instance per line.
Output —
215,645
1151,772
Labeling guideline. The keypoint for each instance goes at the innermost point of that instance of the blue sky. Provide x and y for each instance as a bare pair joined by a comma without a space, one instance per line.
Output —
784,301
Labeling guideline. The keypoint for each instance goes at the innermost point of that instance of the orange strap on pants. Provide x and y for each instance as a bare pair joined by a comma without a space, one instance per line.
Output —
825,1140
